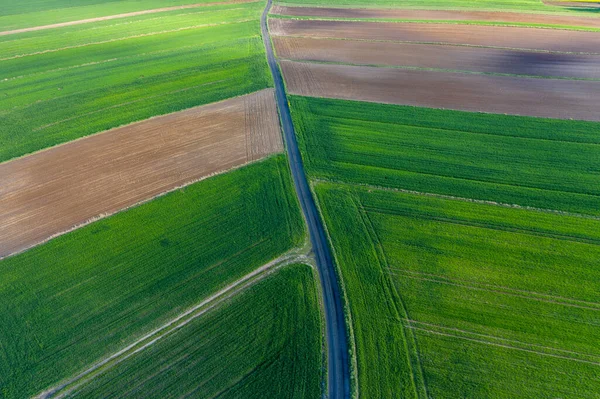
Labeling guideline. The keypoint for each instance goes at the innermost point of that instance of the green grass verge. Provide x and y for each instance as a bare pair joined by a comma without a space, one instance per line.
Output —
84,295
111,76
543,163
454,299
264,343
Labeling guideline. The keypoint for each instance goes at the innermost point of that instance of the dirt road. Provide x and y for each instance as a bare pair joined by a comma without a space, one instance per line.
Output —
338,365
50,192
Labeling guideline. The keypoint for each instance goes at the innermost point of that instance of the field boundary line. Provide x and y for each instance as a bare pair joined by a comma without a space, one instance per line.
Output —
394,272
66,387
530,50
463,199
237,21
119,16
481,341
499,287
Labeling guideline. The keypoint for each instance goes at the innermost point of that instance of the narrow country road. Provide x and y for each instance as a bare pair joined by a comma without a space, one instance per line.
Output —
338,365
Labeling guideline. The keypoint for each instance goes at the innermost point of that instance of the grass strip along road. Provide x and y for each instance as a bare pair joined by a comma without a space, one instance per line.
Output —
337,343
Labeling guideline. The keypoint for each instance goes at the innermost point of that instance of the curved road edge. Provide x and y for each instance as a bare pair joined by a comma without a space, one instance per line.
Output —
338,366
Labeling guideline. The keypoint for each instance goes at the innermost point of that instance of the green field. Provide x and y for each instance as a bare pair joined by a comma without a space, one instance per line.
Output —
453,290
86,294
536,6
28,13
543,163
453,299
57,85
251,347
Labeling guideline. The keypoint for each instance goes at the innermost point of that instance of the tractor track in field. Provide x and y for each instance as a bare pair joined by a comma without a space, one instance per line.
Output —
213,301
119,16
338,365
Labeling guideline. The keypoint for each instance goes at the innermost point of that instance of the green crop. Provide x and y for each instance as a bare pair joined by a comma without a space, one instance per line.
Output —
543,163
264,343
68,303
450,298
69,83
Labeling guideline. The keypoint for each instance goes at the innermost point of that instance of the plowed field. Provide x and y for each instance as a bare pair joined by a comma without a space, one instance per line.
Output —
55,190
556,98
486,60
471,35
439,15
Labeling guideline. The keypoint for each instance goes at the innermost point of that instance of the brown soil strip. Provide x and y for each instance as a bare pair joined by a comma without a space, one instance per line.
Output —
118,16
472,35
551,98
441,15
486,60
50,192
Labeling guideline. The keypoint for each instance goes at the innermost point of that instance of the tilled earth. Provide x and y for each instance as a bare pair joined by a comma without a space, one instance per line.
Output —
52,191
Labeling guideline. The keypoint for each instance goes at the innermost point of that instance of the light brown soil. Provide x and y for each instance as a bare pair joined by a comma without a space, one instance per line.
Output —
496,94
117,16
473,35
439,56
433,15
47,193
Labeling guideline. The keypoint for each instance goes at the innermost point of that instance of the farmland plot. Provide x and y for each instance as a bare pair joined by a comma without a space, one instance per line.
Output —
543,163
438,286
439,57
31,13
87,294
550,73
49,192
62,84
458,16
250,347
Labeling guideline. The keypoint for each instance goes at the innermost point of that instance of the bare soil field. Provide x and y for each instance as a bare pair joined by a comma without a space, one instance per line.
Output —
471,35
117,16
55,190
441,15
476,59
554,98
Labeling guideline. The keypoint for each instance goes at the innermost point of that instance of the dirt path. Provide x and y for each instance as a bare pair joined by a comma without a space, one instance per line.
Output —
552,98
53,191
117,16
433,15
475,59
65,387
